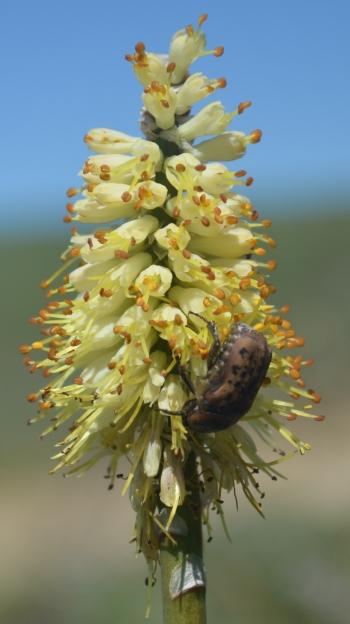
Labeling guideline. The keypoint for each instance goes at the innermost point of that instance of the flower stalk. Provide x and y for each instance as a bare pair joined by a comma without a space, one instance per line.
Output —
181,560
159,346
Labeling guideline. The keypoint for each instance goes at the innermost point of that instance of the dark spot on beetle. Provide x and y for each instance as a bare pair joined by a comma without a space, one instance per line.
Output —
243,351
235,369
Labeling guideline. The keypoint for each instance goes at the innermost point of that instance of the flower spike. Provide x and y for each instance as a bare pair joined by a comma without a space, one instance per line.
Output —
159,341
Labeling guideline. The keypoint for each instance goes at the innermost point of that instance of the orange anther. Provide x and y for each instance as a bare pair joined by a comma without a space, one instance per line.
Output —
222,82
178,320
255,136
72,191
37,344
75,252
235,299
245,283
160,324
231,220
271,265
119,253
106,292
285,309
140,47
219,51
243,106
260,251
32,397
315,396
219,293
220,310
296,342
44,405
100,235
126,197
180,168
264,291
270,241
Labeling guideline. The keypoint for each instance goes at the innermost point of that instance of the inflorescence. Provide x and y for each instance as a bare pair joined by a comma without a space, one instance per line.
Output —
171,236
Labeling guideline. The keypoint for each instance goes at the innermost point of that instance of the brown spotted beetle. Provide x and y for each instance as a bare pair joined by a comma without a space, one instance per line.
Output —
236,370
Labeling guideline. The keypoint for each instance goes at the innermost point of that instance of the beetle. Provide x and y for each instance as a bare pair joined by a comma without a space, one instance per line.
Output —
236,369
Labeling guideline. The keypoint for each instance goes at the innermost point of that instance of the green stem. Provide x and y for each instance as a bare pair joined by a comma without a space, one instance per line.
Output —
187,607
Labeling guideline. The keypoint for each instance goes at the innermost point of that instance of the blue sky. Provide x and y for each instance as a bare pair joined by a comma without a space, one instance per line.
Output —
63,72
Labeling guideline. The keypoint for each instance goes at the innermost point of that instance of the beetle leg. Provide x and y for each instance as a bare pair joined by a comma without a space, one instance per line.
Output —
169,412
216,346
186,377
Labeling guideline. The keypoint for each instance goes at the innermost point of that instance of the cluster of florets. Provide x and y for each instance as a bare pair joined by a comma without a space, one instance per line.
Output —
178,239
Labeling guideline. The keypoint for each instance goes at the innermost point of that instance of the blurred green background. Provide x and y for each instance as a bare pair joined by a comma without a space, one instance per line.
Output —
65,555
